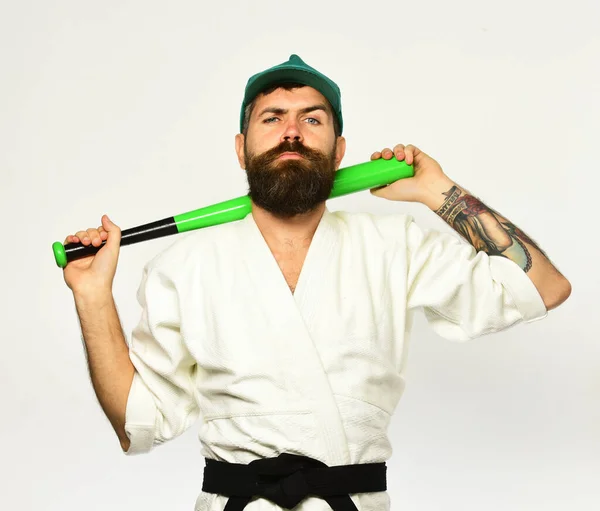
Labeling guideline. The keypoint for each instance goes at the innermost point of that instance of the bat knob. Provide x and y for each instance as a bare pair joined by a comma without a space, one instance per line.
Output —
60,255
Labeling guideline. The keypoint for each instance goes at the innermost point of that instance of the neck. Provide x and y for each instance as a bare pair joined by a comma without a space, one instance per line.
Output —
288,234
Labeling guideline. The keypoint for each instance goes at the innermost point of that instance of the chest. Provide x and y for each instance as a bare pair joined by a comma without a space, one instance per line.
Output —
265,345
291,267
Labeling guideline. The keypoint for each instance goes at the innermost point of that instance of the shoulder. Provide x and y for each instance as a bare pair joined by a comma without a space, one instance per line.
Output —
192,248
389,228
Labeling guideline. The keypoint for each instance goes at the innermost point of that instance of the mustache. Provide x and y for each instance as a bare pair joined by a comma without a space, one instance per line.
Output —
292,147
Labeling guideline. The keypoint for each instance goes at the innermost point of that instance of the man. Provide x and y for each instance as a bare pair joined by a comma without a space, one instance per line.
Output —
286,333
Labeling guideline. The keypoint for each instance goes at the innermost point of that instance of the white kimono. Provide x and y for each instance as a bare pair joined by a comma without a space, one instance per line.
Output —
319,372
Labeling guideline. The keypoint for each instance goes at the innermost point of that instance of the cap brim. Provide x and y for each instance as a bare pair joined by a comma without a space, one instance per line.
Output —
291,75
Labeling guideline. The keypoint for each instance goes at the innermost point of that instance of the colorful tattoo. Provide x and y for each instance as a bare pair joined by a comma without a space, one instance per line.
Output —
485,229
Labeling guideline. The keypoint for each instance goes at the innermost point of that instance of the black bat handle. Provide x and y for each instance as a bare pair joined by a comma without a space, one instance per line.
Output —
63,254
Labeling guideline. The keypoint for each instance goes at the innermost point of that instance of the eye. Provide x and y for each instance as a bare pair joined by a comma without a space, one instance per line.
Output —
313,119
267,121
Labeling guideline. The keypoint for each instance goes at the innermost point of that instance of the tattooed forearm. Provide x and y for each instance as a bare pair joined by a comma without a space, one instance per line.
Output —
488,231
485,229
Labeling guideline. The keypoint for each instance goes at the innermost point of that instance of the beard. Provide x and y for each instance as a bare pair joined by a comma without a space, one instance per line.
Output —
286,188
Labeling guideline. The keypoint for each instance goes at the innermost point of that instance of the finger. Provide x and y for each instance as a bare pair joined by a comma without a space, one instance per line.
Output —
411,151
387,153
399,151
408,151
102,232
94,236
114,241
376,155
82,237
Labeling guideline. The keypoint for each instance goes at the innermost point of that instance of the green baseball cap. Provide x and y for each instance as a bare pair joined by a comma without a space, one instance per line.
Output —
294,70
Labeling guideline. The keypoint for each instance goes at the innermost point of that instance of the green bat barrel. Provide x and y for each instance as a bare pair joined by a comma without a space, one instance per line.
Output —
355,178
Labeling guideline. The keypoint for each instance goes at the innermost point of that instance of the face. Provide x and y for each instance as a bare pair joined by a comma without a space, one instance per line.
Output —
290,152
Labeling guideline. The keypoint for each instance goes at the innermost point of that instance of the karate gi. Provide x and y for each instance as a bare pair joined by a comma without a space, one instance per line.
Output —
223,341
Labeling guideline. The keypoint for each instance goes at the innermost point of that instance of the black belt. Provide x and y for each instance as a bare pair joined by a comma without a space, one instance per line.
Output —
288,479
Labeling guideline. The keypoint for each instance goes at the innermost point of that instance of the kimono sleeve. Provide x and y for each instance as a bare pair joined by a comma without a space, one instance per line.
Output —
161,403
464,293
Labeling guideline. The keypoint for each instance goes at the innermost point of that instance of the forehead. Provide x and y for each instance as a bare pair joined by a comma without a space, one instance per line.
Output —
290,99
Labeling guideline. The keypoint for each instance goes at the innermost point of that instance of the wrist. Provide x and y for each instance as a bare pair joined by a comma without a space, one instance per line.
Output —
92,299
435,193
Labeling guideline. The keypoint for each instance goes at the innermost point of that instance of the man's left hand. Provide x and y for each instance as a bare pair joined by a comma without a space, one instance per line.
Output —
429,176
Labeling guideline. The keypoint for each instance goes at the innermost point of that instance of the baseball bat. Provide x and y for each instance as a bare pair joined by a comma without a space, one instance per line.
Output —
355,178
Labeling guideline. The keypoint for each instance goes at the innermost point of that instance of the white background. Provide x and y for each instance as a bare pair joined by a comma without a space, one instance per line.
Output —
131,107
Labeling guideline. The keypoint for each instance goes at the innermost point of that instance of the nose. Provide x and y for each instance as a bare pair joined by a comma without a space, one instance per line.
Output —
291,131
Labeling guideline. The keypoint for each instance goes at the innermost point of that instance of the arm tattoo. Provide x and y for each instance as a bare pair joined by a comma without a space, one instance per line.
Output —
485,229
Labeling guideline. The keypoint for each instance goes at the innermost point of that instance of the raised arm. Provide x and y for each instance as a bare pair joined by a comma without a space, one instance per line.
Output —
481,226
91,280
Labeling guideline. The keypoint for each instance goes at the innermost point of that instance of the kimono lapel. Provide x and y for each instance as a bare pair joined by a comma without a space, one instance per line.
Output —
264,269
320,260
292,317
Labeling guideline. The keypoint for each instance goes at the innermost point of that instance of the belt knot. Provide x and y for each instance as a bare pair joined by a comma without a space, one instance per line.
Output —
282,479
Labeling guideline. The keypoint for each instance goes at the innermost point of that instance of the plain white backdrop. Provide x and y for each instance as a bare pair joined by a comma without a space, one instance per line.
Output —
130,108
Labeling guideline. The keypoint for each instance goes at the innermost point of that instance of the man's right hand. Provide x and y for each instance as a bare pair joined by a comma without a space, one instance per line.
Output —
94,275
